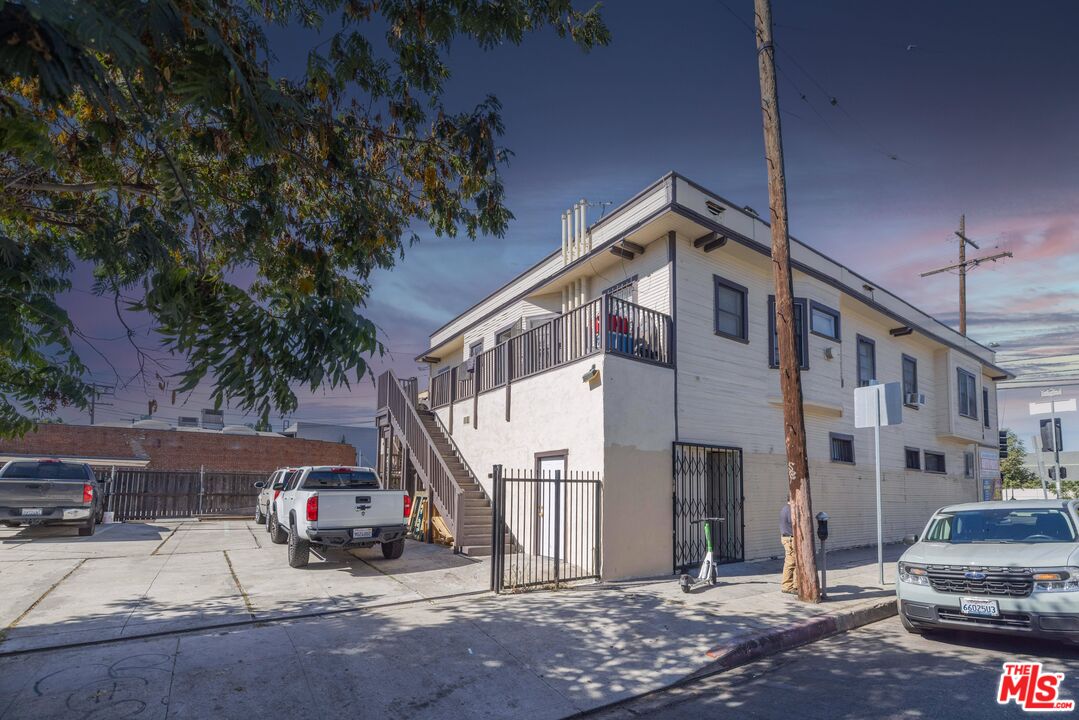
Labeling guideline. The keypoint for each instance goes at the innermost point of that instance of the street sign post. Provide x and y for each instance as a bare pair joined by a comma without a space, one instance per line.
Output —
1053,407
876,405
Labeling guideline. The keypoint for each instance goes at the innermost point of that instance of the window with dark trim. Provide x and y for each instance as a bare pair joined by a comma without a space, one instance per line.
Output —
910,381
985,407
842,447
731,319
475,348
968,464
867,361
913,458
824,321
504,334
625,290
968,393
934,462
801,333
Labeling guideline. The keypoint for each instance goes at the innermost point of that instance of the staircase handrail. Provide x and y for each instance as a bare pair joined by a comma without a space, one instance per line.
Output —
427,458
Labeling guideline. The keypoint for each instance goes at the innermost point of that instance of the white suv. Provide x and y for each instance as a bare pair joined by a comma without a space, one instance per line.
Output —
1002,567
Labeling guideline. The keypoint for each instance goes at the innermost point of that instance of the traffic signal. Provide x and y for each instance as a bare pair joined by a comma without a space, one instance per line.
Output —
1063,473
1047,439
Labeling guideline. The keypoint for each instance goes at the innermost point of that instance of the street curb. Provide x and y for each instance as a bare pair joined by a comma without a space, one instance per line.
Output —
770,643
794,635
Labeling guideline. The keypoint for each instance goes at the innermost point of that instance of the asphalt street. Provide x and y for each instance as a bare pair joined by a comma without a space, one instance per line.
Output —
879,671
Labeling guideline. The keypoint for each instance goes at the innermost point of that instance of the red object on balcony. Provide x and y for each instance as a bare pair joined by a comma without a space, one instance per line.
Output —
615,323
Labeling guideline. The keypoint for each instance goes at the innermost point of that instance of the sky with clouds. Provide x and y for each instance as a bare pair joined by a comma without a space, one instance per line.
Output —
896,120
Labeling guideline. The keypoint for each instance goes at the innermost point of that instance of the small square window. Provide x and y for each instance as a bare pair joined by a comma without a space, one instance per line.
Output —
914,458
934,462
842,448
824,321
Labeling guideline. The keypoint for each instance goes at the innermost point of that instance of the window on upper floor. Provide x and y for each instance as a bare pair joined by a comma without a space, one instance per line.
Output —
475,348
625,290
985,407
801,333
504,334
934,462
910,381
913,458
968,464
824,321
731,319
968,393
842,447
867,361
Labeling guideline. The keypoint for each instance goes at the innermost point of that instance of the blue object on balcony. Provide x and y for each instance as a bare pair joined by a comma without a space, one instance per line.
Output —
619,342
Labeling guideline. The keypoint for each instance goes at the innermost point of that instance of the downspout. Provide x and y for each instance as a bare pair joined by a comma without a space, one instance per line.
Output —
672,262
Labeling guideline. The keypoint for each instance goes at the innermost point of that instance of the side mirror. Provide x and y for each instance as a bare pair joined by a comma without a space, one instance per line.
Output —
910,539
260,484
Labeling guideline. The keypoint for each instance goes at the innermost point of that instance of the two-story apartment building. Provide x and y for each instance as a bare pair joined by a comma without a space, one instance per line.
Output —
644,349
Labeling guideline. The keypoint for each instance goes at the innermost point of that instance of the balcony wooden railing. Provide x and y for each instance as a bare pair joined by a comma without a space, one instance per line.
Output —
630,330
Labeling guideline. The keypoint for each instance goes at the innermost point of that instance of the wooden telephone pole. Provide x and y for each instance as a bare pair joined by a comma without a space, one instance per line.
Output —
790,379
963,266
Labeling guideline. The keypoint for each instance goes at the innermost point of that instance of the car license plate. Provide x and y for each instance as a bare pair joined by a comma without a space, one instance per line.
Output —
361,532
31,511
979,607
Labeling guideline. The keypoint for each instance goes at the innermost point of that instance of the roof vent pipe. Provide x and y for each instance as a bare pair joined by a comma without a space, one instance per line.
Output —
565,238
586,241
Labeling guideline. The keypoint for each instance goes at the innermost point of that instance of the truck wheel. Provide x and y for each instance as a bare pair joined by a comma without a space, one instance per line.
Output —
299,551
88,529
259,517
277,534
393,550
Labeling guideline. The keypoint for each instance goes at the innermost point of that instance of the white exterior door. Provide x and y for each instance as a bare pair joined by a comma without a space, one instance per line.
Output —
550,468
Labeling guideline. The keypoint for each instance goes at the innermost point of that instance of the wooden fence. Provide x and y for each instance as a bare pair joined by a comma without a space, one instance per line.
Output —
154,494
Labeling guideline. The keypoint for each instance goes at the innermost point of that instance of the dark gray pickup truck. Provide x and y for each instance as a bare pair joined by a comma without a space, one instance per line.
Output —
50,492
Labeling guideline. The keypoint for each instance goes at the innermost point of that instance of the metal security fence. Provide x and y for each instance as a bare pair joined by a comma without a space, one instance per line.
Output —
546,528
707,483
153,494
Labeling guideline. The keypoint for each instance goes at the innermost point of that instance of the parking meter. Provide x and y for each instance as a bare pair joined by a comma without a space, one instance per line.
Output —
822,533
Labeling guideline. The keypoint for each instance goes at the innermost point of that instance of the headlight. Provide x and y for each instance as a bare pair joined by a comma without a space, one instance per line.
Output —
913,574
1054,581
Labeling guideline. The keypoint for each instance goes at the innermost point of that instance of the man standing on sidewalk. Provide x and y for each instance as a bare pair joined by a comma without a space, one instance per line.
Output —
786,535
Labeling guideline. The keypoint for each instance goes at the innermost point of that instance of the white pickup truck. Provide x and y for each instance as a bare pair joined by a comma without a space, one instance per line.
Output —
338,507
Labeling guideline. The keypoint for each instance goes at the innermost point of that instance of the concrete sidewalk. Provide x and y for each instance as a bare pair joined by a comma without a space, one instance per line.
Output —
541,654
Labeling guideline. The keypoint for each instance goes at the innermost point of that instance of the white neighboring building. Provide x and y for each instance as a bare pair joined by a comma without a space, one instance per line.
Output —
668,298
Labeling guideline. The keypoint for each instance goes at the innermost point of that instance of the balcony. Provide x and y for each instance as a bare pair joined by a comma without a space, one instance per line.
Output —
629,330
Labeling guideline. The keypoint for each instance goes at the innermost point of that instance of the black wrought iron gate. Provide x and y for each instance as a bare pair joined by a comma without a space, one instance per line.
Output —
707,483
546,528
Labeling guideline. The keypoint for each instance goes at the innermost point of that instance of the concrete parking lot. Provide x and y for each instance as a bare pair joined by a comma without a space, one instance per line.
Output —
138,579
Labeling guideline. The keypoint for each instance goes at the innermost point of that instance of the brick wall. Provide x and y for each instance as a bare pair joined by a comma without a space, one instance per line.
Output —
180,450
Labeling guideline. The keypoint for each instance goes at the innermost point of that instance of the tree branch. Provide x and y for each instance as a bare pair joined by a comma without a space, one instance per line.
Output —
51,187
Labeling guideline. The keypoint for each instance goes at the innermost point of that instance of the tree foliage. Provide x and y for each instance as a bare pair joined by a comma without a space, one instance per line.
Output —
1015,473
242,211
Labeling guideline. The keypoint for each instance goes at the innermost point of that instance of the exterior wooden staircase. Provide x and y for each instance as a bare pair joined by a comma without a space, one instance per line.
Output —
454,490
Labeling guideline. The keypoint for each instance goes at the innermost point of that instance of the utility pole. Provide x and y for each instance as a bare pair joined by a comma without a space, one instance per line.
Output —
963,266
98,390
790,379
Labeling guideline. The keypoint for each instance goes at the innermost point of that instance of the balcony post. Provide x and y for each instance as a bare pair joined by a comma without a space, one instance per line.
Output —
477,378
453,396
509,376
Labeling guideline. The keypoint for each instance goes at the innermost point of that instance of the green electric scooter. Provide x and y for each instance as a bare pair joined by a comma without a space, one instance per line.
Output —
708,567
